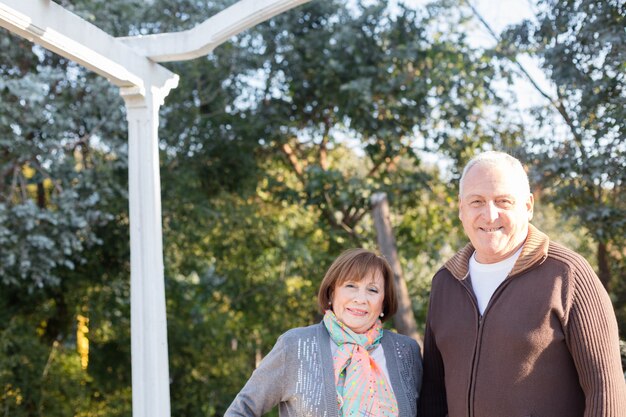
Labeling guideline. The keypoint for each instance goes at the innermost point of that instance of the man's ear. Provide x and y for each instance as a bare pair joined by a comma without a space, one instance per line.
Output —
530,204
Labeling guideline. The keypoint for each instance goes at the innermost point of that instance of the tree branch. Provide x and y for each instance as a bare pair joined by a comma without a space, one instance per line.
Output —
324,146
293,159
556,103
390,162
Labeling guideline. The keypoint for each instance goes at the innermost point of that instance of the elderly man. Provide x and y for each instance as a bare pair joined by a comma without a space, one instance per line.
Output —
517,325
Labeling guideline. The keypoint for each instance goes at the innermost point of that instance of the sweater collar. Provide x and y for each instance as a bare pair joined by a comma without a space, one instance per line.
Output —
534,251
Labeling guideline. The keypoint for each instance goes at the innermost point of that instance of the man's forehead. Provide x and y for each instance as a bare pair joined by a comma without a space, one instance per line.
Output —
494,178
492,195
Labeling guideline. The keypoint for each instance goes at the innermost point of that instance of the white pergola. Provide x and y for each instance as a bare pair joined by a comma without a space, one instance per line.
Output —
131,64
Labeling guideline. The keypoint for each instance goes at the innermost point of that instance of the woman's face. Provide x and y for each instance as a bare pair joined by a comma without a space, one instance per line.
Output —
358,304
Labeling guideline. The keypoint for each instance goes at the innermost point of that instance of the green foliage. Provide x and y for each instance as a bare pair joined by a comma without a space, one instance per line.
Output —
344,96
271,149
259,279
583,171
285,134
49,199
63,237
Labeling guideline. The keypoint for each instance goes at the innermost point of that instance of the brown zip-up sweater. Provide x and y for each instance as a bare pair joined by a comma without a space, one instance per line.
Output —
546,346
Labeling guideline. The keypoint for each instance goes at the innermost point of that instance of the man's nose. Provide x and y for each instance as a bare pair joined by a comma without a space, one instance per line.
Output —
491,212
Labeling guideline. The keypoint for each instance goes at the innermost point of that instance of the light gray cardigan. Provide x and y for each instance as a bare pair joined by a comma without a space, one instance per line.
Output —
298,375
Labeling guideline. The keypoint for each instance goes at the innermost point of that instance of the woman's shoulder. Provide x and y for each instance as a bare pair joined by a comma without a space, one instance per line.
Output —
401,341
301,332
397,336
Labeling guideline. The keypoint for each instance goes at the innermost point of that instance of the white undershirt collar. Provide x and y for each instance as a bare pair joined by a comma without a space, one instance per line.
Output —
486,278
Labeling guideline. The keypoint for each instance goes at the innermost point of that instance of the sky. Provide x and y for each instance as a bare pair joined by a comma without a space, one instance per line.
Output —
499,14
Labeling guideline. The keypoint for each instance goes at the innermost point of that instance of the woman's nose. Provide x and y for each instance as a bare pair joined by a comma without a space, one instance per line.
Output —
359,296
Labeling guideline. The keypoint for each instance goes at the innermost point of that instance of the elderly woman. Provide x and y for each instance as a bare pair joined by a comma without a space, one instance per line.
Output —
347,365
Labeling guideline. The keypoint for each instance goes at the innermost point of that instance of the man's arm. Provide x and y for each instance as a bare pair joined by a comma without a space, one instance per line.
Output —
433,401
594,344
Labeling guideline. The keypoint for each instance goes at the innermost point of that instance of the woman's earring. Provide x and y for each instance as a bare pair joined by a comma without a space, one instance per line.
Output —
329,302
382,314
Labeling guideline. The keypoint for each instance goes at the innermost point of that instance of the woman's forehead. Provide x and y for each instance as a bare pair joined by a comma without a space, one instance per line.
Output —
372,274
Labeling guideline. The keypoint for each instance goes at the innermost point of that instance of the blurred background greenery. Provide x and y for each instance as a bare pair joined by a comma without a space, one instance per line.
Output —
271,148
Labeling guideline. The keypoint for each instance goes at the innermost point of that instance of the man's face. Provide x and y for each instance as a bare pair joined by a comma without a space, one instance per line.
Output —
495,209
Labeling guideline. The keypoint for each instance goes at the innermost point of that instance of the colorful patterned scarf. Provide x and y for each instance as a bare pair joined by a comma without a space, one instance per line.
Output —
362,389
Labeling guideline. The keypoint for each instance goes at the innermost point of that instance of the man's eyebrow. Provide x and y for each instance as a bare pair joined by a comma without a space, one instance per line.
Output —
509,196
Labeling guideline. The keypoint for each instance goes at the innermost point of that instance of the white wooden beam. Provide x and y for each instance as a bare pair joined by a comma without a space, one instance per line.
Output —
202,39
55,28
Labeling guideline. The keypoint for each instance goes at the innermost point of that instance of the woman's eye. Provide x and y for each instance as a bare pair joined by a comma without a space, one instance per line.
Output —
374,290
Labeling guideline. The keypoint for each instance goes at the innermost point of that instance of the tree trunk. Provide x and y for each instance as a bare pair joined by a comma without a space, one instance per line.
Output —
603,265
404,319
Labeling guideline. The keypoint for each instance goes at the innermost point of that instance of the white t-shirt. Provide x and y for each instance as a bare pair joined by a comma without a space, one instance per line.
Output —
486,278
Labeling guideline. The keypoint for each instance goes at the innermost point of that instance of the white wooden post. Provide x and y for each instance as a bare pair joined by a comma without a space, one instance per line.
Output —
150,372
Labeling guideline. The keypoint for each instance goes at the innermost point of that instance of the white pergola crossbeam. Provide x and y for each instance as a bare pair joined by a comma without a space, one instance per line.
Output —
55,28
202,39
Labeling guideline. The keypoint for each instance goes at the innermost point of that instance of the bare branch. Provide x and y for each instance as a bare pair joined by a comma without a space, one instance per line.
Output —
293,159
556,103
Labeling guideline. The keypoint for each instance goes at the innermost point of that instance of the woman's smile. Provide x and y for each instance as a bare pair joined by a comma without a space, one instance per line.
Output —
358,303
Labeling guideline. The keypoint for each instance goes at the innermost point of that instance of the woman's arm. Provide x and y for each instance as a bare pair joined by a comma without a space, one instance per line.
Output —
265,388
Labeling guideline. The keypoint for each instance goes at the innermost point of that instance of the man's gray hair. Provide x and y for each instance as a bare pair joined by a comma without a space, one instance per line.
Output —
497,158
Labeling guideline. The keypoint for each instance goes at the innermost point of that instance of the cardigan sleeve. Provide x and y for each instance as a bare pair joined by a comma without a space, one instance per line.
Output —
417,372
418,367
594,345
265,388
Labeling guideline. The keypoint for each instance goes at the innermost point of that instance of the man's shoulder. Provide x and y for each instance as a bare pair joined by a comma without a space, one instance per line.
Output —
457,266
568,257
444,274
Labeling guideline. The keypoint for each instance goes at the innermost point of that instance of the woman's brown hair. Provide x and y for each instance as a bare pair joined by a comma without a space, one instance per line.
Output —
355,265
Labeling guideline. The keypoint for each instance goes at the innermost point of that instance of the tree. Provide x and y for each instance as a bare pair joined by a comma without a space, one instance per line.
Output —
391,85
579,45
272,147
63,237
